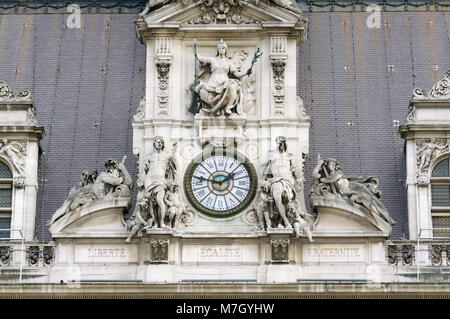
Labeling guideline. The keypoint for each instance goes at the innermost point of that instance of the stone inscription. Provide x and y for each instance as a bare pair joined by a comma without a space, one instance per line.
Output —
333,253
105,253
219,253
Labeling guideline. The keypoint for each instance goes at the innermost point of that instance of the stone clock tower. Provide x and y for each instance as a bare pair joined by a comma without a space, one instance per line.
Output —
221,98
242,78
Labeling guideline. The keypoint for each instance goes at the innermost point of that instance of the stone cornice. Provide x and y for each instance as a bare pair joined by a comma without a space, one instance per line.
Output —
233,290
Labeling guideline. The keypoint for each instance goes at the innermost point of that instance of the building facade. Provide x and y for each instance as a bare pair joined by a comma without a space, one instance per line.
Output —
229,133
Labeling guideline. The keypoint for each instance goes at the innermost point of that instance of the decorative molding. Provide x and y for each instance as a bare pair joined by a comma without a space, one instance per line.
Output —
163,61
278,59
159,251
19,181
33,254
5,256
221,11
8,95
280,250
400,253
31,116
439,91
48,254
40,256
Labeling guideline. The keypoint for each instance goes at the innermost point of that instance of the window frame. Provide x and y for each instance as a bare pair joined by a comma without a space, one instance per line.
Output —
439,211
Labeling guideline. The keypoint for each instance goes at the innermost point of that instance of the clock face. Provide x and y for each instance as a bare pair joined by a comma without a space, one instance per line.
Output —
220,185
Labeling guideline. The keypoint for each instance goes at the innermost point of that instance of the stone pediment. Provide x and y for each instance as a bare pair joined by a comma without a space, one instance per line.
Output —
217,15
439,91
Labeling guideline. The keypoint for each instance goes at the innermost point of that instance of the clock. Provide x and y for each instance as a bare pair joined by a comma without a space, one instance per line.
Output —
220,185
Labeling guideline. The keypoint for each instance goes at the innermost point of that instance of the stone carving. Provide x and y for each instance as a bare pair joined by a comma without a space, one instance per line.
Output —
7,94
159,250
221,11
403,253
48,253
286,4
407,254
140,217
160,179
301,111
278,201
31,116
329,180
280,250
436,255
94,186
278,68
153,4
427,151
16,153
392,256
217,90
19,181
163,68
33,255
5,256
440,90
140,112
411,113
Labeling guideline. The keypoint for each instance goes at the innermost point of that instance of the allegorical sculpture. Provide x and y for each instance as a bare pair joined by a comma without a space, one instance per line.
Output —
93,186
160,178
428,151
329,180
15,152
217,90
278,202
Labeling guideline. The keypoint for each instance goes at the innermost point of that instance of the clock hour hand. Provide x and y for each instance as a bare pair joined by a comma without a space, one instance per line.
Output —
202,178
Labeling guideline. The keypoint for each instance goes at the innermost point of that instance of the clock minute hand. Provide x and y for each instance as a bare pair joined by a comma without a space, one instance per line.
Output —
230,176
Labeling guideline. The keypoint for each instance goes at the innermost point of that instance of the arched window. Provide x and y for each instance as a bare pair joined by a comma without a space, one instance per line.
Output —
6,187
440,197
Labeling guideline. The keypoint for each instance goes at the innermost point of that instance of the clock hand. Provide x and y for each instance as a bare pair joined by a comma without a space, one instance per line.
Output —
230,176
202,178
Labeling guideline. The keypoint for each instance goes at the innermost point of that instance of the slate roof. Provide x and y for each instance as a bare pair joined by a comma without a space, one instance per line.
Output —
87,83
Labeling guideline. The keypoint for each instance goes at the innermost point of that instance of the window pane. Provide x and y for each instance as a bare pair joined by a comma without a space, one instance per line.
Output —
5,223
5,195
5,171
441,222
441,169
440,195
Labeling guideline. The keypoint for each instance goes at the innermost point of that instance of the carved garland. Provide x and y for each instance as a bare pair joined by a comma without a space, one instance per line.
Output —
221,11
